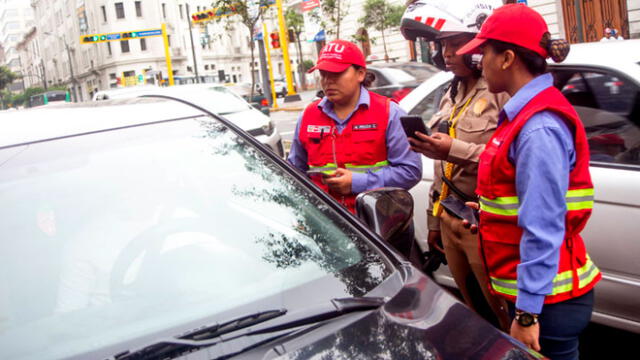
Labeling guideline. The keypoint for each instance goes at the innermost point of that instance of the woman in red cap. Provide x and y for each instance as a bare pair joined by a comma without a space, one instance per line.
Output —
535,187
352,140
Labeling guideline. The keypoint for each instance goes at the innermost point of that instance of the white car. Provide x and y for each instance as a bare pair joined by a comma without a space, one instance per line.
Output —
217,98
602,81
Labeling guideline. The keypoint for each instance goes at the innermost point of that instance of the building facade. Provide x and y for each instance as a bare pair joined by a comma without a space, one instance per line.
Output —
16,18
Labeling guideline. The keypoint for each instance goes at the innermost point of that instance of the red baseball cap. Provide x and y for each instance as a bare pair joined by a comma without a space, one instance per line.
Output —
517,24
337,55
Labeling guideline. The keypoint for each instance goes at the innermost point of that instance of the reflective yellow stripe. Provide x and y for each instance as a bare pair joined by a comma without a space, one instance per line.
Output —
325,169
364,168
578,199
562,282
507,206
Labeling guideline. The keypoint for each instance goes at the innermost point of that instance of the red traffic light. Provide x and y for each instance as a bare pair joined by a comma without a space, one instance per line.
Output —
275,40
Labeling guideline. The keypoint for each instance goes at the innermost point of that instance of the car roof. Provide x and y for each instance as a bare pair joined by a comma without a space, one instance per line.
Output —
621,56
38,123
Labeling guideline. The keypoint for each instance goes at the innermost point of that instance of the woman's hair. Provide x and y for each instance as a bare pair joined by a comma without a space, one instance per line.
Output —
557,49
369,77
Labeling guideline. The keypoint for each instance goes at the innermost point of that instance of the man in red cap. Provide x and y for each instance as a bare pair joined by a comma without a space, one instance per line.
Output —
352,140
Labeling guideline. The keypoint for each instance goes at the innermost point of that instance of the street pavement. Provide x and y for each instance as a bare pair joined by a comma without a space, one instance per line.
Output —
286,115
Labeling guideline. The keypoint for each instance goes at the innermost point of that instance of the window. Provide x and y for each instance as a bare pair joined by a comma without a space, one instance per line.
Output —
138,8
164,10
119,10
189,69
206,67
609,106
104,13
112,76
124,46
109,48
143,44
129,73
430,104
180,11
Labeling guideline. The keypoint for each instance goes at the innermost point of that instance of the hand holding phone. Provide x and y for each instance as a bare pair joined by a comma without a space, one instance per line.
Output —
413,123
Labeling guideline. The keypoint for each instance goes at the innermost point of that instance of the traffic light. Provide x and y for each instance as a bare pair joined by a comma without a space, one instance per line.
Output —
203,16
275,40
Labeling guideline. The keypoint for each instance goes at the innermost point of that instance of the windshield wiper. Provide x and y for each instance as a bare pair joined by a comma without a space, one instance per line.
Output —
211,335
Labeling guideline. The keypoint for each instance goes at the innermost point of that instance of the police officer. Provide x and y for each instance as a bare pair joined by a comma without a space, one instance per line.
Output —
467,117
535,187
352,140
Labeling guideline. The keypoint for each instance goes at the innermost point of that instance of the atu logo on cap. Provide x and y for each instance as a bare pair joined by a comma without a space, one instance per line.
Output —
334,47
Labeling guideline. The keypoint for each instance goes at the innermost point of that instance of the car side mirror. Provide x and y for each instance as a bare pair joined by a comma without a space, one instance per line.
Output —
389,212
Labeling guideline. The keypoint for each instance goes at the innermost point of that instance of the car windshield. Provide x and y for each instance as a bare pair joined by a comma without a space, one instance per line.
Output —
116,235
227,101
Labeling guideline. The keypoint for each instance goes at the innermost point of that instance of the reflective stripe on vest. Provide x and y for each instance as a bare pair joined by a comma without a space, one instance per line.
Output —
326,169
331,167
364,168
579,199
562,282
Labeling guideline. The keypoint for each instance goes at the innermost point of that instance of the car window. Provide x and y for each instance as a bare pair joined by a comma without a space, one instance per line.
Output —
608,105
398,75
431,103
121,234
380,80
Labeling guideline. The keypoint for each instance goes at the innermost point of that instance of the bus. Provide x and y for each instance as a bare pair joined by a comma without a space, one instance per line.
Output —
48,97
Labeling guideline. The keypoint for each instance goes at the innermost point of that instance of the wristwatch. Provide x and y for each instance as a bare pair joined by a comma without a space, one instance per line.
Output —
526,319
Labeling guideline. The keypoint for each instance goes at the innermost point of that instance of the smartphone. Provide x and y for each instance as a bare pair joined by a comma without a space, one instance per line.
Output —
413,123
456,207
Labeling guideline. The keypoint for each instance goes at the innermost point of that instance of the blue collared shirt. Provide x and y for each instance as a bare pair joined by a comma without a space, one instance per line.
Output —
405,168
543,154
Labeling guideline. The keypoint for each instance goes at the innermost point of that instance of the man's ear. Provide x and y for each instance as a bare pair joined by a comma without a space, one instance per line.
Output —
508,58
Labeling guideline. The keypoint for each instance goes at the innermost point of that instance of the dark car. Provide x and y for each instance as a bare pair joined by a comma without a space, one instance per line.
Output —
396,80
150,229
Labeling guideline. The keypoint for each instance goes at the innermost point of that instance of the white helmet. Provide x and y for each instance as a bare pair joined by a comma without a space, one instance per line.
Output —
434,19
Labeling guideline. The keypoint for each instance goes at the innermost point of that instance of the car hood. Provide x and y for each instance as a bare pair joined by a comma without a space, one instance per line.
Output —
421,321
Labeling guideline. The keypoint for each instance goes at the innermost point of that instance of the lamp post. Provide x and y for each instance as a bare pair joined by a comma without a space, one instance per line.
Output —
73,78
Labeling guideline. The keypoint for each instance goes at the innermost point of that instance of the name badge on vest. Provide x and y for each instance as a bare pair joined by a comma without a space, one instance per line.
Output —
365,127
318,129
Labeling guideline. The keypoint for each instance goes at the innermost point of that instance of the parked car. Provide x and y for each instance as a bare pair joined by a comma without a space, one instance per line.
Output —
396,80
259,101
602,81
123,92
151,229
225,100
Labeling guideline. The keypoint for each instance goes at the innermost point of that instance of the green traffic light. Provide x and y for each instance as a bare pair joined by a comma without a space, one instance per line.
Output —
95,38
134,34
103,37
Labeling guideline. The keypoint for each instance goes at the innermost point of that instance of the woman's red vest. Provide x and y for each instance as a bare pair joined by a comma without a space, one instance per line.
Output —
499,231
360,147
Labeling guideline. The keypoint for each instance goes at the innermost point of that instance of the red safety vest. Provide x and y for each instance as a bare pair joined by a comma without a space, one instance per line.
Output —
499,231
360,147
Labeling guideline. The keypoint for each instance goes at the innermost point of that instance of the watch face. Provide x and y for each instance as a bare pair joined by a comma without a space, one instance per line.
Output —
525,319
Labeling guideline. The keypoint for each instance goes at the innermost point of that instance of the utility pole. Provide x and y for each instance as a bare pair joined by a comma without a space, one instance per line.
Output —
266,85
193,49
44,74
73,78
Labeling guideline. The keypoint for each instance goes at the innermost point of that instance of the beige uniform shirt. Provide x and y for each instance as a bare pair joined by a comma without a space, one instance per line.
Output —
473,130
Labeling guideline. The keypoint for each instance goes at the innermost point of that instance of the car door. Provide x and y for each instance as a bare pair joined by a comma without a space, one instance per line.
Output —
608,103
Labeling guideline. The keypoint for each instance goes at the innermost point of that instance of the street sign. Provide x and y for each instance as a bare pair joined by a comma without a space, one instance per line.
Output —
119,36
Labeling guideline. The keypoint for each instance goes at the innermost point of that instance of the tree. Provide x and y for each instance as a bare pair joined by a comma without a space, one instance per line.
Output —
295,23
6,78
331,15
248,12
381,15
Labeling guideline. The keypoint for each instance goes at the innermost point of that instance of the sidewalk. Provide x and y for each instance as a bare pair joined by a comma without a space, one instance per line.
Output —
297,106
